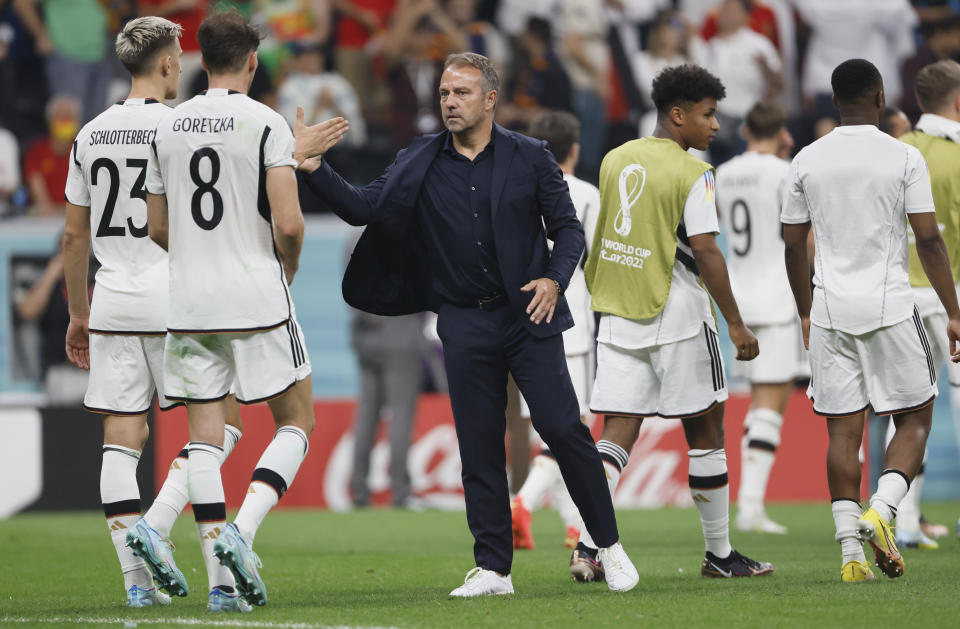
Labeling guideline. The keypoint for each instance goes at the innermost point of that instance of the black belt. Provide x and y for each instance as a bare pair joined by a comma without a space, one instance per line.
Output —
492,302
488,303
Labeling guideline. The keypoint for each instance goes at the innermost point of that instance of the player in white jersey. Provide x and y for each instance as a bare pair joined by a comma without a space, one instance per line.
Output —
858,188
120,337
749,188
222,199
561,130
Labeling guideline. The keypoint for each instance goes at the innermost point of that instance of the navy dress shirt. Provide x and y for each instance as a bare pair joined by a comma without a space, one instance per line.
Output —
455,218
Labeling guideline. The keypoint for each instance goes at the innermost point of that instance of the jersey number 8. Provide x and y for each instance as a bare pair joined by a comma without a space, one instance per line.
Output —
205,187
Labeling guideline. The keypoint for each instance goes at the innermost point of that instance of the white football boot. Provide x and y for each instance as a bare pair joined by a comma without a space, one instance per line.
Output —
482,582
619,570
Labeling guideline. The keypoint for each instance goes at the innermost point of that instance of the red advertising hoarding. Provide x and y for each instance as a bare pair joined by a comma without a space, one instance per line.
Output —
656,475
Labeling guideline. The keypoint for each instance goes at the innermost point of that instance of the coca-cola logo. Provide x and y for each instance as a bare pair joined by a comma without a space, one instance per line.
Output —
655,477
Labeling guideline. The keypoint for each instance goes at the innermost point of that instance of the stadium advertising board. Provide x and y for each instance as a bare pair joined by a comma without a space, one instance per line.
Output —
656,475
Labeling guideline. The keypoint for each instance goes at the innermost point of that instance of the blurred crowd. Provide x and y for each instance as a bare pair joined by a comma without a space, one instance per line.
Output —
378,62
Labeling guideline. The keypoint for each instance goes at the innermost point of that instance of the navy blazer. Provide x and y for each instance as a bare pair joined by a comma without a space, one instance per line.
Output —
388,273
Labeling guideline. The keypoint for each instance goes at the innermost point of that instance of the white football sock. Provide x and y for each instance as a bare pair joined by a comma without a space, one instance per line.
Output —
217,575
544,473
209,507
565,505
120,496
759,452
203,474
845,516
172,497
908,511
272,477
614,460
710,488
891,488
174,494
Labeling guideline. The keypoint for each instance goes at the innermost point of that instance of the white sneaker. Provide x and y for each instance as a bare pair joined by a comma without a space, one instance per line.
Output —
481,582
759,523
621,574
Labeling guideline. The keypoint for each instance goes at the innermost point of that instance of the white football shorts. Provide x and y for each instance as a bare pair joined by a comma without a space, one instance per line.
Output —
680,379
256,366
891,369
124,373
782,356
580,367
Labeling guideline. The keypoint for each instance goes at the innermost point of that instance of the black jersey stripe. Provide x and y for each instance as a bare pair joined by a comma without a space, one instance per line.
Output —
263,203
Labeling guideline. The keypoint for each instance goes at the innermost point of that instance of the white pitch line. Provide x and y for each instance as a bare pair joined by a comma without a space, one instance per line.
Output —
133,622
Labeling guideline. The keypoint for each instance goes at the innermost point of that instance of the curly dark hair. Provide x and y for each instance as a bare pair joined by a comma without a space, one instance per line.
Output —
685,85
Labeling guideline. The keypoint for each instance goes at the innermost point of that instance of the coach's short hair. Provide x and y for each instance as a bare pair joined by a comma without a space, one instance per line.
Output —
937,84
141,39
855,79
685,85
226,38
490,76
765,120
560,129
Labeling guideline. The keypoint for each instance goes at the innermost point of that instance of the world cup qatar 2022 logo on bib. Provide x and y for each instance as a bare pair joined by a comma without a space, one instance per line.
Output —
632,180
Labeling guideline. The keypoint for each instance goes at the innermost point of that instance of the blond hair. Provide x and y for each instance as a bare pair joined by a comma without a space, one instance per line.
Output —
936,84
141,39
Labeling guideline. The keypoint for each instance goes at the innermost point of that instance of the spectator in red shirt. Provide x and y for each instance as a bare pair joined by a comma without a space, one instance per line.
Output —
45,167
360,21
762,20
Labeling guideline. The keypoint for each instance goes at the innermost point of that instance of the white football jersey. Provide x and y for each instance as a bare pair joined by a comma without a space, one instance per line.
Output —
579,338
108,167
856,186
749,188
211,157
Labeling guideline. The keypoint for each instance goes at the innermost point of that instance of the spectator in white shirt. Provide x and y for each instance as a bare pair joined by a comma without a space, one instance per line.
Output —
748,65
670,42
323,95
881,32
585,53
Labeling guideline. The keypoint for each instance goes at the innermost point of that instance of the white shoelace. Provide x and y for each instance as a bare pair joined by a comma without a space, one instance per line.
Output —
473,574
612,561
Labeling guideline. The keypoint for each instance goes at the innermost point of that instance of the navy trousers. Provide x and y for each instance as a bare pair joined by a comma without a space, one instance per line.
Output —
480,348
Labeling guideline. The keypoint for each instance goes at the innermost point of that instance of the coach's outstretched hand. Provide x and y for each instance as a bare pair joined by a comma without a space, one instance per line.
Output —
78,342
313,141
743,339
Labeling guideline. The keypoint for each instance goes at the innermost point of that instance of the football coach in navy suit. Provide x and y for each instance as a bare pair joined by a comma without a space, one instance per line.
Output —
456,225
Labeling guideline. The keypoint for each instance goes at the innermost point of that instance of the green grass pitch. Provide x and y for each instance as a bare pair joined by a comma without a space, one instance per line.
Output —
384,568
